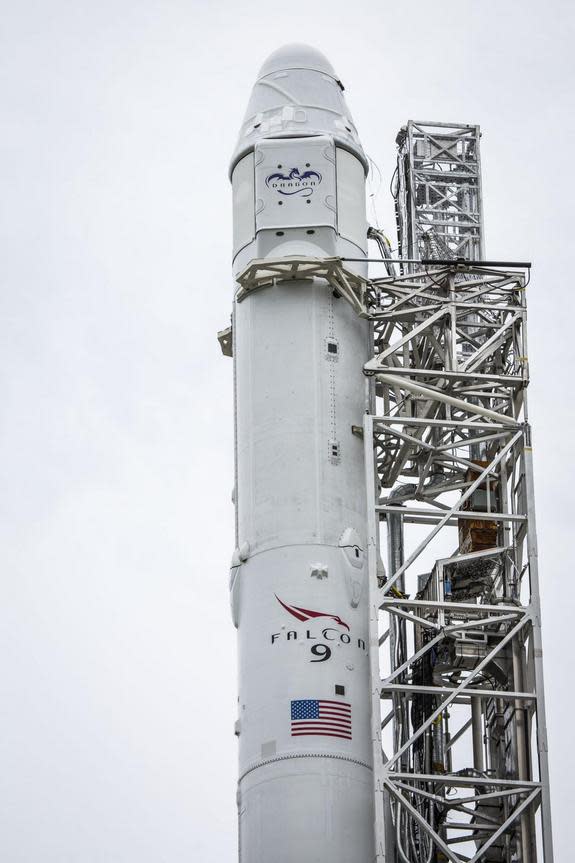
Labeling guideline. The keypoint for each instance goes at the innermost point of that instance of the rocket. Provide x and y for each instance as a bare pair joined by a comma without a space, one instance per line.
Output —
298,579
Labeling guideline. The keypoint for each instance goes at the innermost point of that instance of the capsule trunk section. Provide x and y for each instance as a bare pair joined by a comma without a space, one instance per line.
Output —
298,578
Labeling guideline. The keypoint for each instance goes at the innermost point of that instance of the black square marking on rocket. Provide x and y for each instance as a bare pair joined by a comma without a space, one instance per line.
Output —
339,690
331,349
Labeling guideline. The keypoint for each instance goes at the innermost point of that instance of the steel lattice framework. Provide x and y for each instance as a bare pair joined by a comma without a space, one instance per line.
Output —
455,630
438,192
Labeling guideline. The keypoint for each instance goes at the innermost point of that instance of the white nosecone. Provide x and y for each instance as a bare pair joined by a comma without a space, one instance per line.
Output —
297,92
296,55
298,580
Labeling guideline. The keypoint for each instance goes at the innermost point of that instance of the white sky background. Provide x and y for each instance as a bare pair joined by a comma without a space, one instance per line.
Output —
117,651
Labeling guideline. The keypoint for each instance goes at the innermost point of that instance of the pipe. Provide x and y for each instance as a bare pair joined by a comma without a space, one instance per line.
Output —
523,772
477,730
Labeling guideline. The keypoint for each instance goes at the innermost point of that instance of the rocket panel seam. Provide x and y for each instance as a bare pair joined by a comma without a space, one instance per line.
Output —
340,142
298,544
302,755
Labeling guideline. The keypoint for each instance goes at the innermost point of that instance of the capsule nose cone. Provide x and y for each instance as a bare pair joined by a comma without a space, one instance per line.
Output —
296,56
297,94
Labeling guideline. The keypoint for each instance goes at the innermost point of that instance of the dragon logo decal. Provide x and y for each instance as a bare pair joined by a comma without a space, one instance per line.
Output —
294,183
306,614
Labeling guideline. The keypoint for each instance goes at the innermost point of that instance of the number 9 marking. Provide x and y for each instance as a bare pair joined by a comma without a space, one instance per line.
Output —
322,651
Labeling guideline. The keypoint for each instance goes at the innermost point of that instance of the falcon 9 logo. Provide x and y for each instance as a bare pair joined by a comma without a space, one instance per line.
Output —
294,183
319,634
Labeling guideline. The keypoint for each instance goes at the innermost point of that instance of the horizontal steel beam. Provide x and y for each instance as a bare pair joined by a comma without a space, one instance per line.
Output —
469,514
440,423
457,606
447,690
442,374
456,780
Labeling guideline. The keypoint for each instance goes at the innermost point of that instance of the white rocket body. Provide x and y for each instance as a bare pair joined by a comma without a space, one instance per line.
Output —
299,573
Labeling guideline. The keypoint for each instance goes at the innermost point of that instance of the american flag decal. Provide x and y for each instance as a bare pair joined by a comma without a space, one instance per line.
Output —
320,718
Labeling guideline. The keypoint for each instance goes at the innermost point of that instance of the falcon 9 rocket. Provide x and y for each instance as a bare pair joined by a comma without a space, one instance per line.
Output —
298,579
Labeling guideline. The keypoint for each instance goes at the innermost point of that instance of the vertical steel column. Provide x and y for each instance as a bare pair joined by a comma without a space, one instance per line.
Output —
374,639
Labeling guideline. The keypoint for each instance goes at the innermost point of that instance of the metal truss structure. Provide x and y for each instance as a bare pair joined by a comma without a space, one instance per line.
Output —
438,191
459,732
266,272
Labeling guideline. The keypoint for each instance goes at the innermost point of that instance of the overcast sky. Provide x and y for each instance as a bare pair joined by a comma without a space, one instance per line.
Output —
117,123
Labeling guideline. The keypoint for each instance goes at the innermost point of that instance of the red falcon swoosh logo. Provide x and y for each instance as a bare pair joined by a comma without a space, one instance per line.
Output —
306,614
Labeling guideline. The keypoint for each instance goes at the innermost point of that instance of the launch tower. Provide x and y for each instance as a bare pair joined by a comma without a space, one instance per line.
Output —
458,695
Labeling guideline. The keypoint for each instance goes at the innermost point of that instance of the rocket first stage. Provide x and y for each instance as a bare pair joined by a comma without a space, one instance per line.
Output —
298,580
